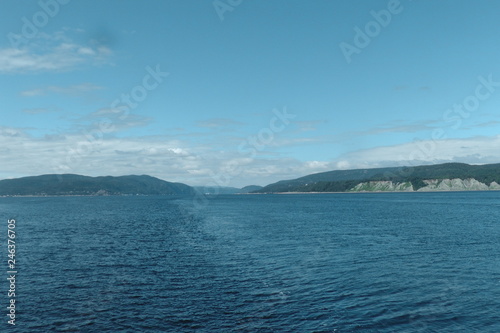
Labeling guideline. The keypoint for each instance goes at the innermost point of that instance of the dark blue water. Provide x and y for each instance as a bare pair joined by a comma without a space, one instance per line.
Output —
410,262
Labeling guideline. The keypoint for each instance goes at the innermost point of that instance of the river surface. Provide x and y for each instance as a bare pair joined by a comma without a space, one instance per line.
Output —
395,262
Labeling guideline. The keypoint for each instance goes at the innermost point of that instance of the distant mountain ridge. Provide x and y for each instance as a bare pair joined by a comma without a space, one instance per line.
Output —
438,177
214,190
71,184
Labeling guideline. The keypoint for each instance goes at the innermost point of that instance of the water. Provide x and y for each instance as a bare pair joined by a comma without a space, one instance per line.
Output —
408,262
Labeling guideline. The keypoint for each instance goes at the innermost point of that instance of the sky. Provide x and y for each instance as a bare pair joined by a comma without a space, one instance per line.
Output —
240,92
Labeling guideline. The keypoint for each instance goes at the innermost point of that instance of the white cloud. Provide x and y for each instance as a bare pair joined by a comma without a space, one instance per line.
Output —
9,132
188,161
475,150
165,157
86,51
55,52
343,165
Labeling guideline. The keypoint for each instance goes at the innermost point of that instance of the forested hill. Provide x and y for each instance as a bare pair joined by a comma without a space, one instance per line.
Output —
407,178
69,184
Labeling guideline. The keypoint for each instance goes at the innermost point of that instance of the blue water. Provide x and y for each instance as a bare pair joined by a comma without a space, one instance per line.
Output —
408,262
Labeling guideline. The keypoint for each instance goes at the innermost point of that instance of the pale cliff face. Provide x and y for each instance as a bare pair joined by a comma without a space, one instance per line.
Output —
494,186
383,186
454,185
433,185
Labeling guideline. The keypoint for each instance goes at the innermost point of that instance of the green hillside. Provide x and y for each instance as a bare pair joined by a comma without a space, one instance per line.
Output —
69,184
343,180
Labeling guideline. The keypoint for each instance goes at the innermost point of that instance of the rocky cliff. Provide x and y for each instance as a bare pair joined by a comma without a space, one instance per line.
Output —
383,186
432,185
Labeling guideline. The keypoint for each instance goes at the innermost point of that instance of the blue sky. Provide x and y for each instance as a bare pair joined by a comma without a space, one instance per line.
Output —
245,92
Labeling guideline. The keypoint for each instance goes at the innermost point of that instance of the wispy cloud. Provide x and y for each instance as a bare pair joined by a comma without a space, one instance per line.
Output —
405,87
475,150
75,90
55,52
492,123
218,123
38,111
116,118
10,132
409,127
309,125
393,127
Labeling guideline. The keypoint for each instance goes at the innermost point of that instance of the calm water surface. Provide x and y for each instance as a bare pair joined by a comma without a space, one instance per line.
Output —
409,262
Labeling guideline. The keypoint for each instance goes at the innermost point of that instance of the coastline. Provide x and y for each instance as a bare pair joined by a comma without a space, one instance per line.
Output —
267,193
357,192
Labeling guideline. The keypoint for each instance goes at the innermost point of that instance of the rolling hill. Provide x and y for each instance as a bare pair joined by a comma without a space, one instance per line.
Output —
70,184
425,177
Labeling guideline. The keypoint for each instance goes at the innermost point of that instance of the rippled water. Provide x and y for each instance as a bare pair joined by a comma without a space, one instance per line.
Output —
409,262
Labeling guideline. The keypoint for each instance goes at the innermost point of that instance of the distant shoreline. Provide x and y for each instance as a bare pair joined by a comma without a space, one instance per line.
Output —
84,195
357,192
215,195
